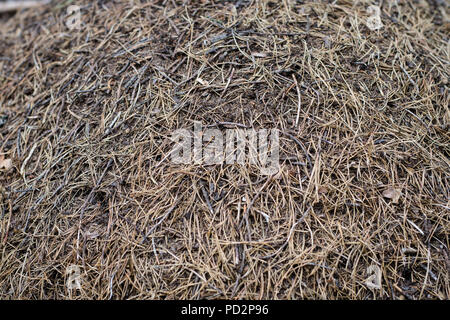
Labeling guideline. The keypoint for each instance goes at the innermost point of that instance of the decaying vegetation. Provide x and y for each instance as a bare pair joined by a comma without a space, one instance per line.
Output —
86,117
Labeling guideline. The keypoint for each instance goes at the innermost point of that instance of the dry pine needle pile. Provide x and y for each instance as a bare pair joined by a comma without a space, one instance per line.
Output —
359,208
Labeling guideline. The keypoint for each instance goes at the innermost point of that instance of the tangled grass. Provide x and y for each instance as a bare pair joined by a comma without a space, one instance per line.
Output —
86,118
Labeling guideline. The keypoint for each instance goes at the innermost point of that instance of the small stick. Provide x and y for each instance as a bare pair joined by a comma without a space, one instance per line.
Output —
240,125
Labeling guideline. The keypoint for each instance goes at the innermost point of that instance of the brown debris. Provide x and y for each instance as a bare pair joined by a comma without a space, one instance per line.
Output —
87,114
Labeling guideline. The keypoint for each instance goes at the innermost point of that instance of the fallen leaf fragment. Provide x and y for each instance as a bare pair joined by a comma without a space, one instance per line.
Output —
322,190
393,194
374,279
5,164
